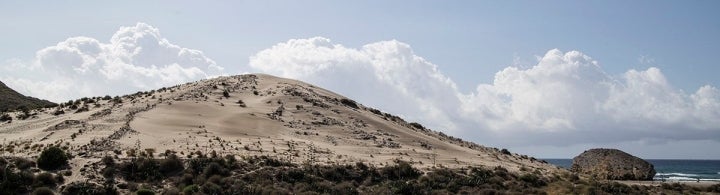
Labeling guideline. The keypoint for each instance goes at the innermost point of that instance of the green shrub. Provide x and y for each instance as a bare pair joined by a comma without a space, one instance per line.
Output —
52,158
211,188
45,179
144,192
505,151
191,189
15,182
43,191
141,169
214,169
23,163
172,165
83,188
403,170
108,161
171,191
417,125
349,103
5,117
533,180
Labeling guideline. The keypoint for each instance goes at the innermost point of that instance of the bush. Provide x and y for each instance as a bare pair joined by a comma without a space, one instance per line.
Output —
45,179
43,191
83,188
211,188
505,151
417,126
109,161
226,94
23,163
533,180
402,170
191,189
59,111
145,192
141,169
13,182
5,117
214,169
171,191
349,103
52,158
171,165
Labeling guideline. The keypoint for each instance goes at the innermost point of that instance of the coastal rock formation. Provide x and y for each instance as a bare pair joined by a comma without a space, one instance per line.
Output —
612,164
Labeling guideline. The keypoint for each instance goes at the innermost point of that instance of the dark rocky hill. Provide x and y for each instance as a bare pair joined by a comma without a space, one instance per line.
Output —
11,100
612,164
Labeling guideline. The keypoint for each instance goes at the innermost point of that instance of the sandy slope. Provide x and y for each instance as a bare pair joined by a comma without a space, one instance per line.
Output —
284,118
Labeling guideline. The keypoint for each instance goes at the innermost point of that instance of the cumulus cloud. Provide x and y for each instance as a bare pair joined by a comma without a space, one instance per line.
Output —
386,75
135,58
565,99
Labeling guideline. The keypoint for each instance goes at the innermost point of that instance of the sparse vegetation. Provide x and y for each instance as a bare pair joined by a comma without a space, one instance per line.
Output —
262,174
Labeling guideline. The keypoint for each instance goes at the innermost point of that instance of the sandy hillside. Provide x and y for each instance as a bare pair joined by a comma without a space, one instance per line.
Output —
261,115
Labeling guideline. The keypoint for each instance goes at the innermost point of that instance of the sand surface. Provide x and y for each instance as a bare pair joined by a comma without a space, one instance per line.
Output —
277,117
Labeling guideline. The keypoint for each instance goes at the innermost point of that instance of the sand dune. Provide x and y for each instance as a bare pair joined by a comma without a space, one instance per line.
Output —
262,115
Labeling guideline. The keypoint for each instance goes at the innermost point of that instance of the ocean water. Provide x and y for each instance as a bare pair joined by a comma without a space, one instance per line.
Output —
672,170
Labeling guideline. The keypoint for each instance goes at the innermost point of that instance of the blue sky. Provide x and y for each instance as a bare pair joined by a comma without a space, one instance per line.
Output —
466,42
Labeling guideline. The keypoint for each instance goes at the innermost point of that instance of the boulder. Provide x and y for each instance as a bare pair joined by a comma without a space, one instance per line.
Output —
612,164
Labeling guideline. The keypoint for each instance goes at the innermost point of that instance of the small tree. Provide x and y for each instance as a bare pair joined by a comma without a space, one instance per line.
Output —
52,158
226,94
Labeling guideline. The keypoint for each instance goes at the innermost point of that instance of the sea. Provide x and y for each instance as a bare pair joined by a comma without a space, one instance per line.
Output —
672,170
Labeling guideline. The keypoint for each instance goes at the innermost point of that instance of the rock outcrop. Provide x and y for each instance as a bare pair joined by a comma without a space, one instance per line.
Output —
612,164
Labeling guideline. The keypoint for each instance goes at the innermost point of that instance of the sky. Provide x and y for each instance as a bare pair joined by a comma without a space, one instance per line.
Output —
544,78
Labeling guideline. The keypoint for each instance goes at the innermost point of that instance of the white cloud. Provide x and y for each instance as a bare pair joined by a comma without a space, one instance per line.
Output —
565,99
386,75
136,58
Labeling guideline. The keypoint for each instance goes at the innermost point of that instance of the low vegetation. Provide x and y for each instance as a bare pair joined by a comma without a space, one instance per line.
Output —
213,174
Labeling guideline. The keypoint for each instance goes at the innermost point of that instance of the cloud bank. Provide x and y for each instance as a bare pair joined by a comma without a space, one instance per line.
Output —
135,58
565,99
